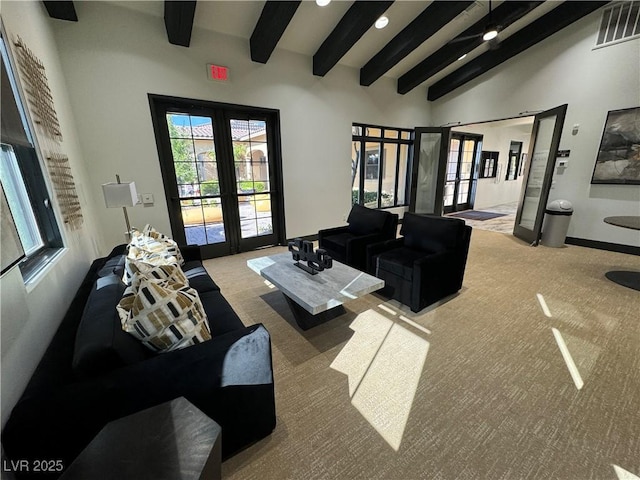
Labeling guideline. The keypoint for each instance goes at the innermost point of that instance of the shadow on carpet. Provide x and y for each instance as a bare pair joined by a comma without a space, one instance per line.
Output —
477,215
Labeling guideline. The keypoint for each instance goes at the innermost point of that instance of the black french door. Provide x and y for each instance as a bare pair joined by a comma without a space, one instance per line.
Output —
543,149
222,173
431,145
461,177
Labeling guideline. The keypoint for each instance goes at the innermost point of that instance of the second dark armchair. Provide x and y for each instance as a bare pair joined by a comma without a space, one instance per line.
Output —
348,244
426,264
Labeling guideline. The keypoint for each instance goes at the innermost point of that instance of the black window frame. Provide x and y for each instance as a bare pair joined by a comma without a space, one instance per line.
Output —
488,160
364,138
32,172
513,163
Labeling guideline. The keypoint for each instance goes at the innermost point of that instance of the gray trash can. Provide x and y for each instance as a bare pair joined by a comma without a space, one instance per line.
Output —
556,223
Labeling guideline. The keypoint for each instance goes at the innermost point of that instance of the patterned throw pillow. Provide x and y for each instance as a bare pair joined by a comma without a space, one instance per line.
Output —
171,273
164,315
152,241
142,263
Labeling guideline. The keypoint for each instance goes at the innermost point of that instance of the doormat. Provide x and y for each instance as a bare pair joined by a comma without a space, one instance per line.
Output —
477,215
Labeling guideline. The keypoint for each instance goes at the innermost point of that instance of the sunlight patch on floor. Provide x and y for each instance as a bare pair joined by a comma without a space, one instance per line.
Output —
568,359
384,362
624,474
543,305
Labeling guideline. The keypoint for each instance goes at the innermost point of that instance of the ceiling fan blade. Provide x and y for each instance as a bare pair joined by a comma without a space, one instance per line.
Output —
465,38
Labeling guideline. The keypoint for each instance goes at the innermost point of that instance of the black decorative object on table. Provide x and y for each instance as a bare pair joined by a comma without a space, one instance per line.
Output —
302,250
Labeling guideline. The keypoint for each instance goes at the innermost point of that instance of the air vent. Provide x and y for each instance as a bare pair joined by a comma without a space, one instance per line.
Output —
620,22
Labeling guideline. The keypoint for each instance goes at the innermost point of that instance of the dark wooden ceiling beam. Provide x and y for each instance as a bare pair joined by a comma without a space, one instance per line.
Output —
503,16
273,21
432,19
353,25
178,19
61,10
541,29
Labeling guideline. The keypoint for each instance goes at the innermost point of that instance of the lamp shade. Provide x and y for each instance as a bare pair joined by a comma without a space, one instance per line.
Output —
120,194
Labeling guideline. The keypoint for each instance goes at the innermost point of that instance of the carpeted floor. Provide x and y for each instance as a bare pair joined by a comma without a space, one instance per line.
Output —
475,388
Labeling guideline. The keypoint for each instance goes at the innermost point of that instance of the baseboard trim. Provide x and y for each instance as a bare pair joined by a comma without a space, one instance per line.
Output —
611,247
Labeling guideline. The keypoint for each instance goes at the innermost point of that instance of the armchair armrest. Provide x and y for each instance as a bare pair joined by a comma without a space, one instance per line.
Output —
331,231
435,277
377,248
357,248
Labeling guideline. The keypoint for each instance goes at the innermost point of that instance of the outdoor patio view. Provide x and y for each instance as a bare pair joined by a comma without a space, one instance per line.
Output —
197,175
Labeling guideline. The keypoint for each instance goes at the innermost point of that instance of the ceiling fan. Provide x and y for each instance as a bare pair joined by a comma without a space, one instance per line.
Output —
488,34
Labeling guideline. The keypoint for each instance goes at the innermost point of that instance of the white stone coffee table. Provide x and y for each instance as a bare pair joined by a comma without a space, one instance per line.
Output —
314,299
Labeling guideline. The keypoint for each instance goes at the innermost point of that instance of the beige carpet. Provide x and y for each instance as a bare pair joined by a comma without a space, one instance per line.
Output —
475,388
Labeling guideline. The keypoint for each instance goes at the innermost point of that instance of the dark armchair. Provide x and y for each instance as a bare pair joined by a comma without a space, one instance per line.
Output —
348,244
426,263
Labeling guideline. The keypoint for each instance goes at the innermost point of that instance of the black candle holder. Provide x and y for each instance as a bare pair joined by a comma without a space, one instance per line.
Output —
302,250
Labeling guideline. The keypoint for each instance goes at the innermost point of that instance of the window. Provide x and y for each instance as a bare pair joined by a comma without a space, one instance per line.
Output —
620,22
514,161
23,181
489,164
380,158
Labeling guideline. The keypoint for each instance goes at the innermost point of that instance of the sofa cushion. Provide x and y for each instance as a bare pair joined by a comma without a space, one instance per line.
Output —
364,221
221,317
198,277
100,344
143,264
399,262
114,265
431,233
165,316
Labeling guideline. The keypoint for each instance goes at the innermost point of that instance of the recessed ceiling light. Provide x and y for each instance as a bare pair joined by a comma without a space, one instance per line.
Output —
323,3
382,22
462,56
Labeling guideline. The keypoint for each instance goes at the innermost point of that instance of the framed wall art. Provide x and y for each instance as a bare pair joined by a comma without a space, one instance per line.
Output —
618,160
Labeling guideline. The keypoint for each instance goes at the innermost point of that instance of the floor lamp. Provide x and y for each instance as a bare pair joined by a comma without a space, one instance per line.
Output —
123,195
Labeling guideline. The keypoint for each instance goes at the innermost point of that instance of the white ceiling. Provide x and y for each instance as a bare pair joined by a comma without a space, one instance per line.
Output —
311,24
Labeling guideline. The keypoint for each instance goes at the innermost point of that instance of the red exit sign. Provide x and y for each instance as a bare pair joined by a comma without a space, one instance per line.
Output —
218,72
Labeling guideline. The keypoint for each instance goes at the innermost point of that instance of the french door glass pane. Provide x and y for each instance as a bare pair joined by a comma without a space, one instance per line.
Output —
250,155
467,160
449,188
255,215
452,161
196,170
427,172
463,192
533,190
251,162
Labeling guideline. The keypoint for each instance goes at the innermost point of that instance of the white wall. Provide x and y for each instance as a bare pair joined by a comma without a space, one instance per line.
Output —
497,138
114,57
565,69
30,314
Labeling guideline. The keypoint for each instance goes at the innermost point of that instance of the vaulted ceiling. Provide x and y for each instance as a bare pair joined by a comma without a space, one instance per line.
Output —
432,44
